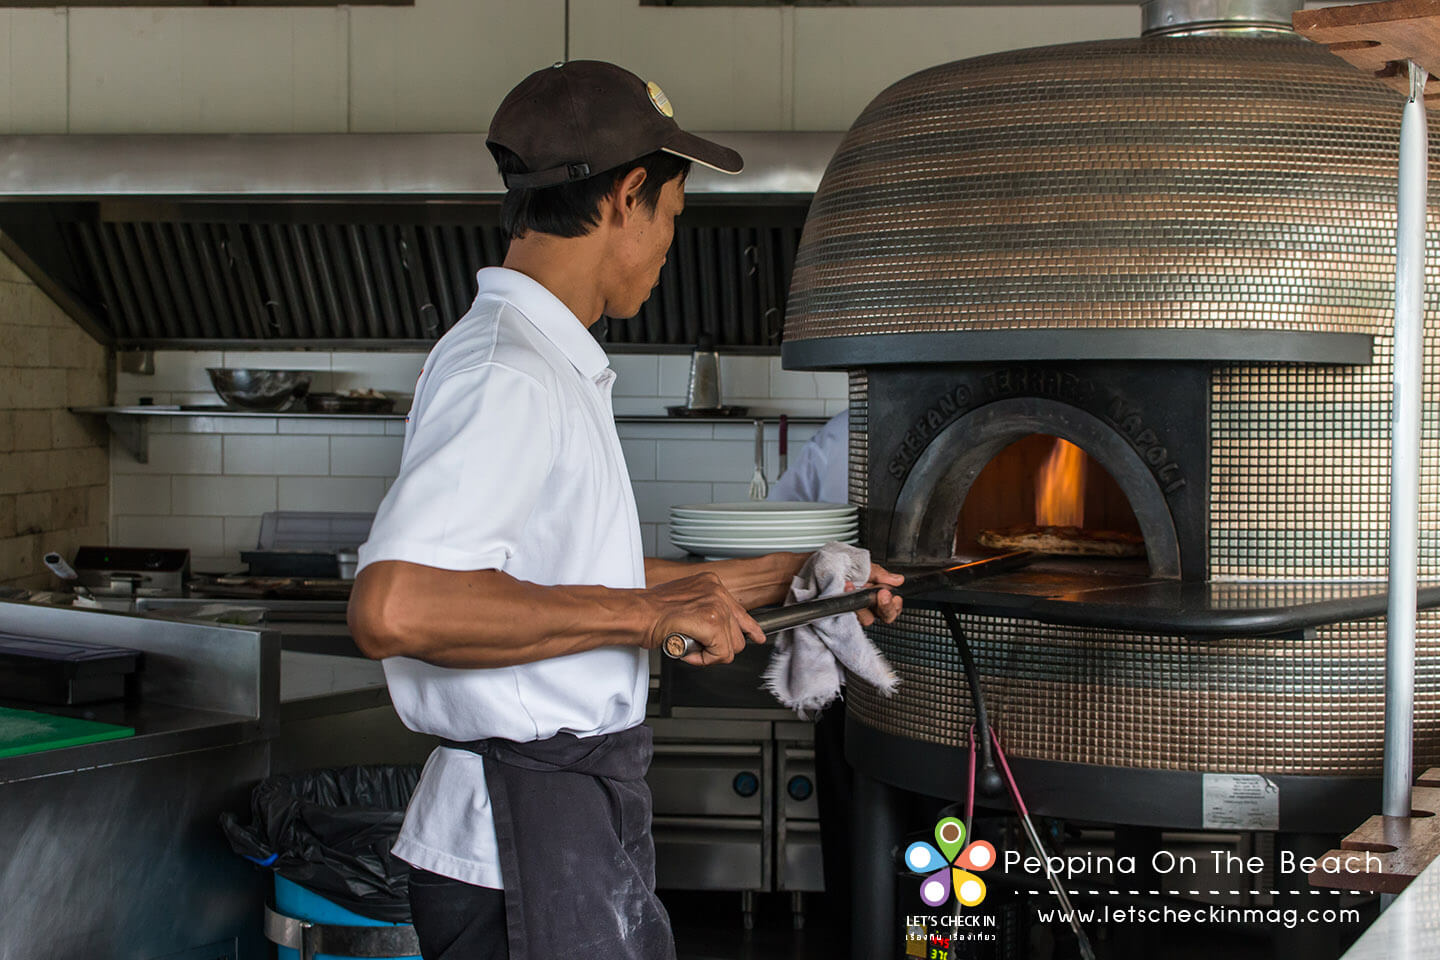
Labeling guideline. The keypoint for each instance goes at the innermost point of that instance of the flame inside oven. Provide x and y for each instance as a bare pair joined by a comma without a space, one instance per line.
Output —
1043,482
1060,487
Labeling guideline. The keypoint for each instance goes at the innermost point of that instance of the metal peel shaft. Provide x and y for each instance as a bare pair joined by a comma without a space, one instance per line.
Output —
775,619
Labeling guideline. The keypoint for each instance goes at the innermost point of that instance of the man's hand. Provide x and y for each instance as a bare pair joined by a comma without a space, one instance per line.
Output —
886,606
701,607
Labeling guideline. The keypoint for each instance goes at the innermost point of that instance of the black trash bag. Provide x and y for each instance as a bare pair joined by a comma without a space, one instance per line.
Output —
331,832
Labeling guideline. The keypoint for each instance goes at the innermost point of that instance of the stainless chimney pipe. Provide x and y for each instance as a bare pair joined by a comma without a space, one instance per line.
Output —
1213,17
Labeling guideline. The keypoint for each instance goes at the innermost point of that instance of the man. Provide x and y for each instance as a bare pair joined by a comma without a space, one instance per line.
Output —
503,583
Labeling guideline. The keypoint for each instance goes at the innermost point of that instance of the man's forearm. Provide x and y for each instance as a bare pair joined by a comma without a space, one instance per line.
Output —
485,618
755,581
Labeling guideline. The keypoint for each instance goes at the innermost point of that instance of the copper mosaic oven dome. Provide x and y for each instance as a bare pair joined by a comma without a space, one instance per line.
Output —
1161,182
1204,227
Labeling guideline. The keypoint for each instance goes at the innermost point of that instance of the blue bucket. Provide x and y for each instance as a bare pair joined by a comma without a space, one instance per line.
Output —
293,900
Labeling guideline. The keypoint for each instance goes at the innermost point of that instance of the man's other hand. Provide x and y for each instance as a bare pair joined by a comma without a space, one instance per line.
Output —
887,605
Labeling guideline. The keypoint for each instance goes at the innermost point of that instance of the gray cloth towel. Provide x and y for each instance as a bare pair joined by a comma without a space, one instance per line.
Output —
808,663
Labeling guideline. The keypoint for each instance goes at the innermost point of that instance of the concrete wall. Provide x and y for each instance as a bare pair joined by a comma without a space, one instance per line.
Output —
54,470
443,65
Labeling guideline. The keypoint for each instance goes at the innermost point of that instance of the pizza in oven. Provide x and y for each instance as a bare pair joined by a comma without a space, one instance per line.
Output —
1064,541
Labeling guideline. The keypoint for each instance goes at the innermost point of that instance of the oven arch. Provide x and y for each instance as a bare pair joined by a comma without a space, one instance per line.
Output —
931,497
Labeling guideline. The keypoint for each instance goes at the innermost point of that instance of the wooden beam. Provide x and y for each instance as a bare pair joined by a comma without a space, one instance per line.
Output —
1386,853
1379,37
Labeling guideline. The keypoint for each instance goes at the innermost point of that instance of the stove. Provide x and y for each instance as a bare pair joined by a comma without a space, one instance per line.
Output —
132,571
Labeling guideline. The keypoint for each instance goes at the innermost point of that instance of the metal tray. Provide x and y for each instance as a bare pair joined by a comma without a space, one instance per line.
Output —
64,672
309,564
339,403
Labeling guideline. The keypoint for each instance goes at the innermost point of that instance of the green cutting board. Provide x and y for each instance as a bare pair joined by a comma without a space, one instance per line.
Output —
25,731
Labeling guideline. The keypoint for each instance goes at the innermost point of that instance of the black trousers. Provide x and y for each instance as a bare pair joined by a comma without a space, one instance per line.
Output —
455,920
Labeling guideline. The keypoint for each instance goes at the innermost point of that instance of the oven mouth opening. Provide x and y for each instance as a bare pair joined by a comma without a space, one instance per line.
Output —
1047,494
931,506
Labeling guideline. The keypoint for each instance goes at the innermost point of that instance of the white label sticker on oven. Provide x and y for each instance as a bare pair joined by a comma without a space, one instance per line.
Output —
1241,801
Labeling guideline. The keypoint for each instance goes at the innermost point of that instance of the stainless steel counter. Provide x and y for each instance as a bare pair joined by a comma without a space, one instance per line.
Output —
220,707
318,683
117,842
335,711
202,685
307,626
223,706
161,729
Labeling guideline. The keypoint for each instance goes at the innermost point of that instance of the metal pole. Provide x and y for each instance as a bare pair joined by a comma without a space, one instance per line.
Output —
1405,451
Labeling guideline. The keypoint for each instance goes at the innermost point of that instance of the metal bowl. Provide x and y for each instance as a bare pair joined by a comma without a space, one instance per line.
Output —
270,390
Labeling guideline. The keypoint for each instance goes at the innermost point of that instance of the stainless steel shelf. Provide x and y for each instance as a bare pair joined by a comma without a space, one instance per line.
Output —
170,410
129,425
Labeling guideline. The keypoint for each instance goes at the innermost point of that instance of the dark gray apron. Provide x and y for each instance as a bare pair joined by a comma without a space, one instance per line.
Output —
572,817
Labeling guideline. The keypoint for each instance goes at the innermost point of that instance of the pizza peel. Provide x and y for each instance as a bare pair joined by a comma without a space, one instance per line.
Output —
774,619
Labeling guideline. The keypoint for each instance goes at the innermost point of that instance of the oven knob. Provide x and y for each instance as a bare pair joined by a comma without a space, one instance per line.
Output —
746,784
800,788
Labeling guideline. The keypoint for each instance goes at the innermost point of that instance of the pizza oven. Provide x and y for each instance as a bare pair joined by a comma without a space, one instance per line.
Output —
1111,451
1175,253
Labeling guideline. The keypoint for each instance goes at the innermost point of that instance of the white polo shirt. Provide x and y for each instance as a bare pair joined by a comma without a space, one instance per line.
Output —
511,462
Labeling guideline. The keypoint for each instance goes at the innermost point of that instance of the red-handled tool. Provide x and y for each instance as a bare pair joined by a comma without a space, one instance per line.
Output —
784,445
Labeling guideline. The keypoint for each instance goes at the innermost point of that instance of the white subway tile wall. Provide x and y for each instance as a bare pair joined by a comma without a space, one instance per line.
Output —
210,478
364,456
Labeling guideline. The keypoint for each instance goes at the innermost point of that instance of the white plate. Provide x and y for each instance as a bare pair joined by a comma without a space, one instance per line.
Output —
760,509
730,533
711,552
727,523
776,522
798,542
763,507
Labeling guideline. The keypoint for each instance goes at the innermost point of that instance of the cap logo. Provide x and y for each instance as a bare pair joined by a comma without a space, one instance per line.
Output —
658,98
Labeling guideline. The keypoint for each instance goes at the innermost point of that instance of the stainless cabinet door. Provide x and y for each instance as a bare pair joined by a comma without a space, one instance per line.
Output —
800,863
795,784
710,853
706,779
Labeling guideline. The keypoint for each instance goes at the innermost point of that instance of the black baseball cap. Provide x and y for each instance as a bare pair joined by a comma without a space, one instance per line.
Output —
579,118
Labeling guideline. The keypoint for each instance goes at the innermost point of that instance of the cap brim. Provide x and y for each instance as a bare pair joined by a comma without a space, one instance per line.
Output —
704,152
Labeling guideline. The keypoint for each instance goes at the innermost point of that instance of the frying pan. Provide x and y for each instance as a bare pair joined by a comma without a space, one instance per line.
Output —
774,619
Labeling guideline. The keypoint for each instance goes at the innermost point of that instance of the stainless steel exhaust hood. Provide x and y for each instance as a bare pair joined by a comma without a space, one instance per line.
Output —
358,239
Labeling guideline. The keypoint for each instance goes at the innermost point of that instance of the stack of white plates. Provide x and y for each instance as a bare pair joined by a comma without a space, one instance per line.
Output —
757,527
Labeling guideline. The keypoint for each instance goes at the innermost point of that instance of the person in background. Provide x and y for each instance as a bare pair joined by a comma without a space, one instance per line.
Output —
821,474
821,471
